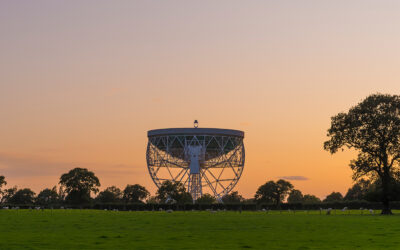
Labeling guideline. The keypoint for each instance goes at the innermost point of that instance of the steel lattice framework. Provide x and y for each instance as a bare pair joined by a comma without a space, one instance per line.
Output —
204,160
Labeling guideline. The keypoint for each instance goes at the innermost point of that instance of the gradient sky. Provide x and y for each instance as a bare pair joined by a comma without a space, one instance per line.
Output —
81,82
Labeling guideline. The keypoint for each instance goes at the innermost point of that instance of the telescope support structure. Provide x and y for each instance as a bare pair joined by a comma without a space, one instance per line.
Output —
204,160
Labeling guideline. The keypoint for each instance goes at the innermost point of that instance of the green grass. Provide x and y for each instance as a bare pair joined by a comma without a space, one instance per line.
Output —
94,229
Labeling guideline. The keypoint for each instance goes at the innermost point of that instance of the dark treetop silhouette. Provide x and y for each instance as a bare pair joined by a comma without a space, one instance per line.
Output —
170,192
295,196
273,191
135,193
79,183
109,195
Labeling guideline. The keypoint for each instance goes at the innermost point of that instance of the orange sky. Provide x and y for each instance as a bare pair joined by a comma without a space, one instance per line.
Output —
81,83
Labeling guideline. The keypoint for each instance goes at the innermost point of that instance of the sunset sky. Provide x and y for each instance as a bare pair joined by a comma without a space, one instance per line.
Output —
81,83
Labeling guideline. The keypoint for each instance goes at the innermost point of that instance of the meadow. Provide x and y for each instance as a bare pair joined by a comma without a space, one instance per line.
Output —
98,229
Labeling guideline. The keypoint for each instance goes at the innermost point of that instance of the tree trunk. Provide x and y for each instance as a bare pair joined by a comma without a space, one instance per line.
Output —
385,194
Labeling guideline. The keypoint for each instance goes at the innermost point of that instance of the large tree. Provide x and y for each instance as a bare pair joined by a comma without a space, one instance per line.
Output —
7,194
333,197
23,197
374,191
48,197
358,191
110,195
295,196
232,197
135,193
2,183
173,192
206,199
78,184
309,198
372,128
274,192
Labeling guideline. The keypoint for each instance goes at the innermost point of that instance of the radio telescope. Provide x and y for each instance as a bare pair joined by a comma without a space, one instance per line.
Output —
205,160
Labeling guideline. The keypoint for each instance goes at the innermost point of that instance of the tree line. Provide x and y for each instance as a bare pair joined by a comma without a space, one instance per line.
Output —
81,187
372,128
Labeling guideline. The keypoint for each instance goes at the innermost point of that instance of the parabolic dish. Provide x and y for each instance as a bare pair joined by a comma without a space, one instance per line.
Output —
216,141
204,160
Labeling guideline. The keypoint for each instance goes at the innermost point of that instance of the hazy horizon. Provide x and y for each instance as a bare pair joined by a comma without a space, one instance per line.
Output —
82,83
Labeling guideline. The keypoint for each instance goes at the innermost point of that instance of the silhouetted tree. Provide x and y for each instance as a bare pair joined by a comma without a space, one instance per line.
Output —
110,195
309,198
334,196
2,183
135,193
295,196
173,191
206,199
372,128
78,184
358,191
375,190
7,194
232,197
23,197
48,197
274,192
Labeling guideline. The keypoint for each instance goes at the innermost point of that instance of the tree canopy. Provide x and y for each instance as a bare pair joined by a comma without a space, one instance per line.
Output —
206,199
110,195
309,198
170,192
2,181
78,184
232,197
135,193
7,194
334,196
274,192
48,197
358,191
295,196
372,128
23,197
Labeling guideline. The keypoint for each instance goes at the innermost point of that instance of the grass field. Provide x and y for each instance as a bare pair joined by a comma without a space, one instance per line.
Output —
94,229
